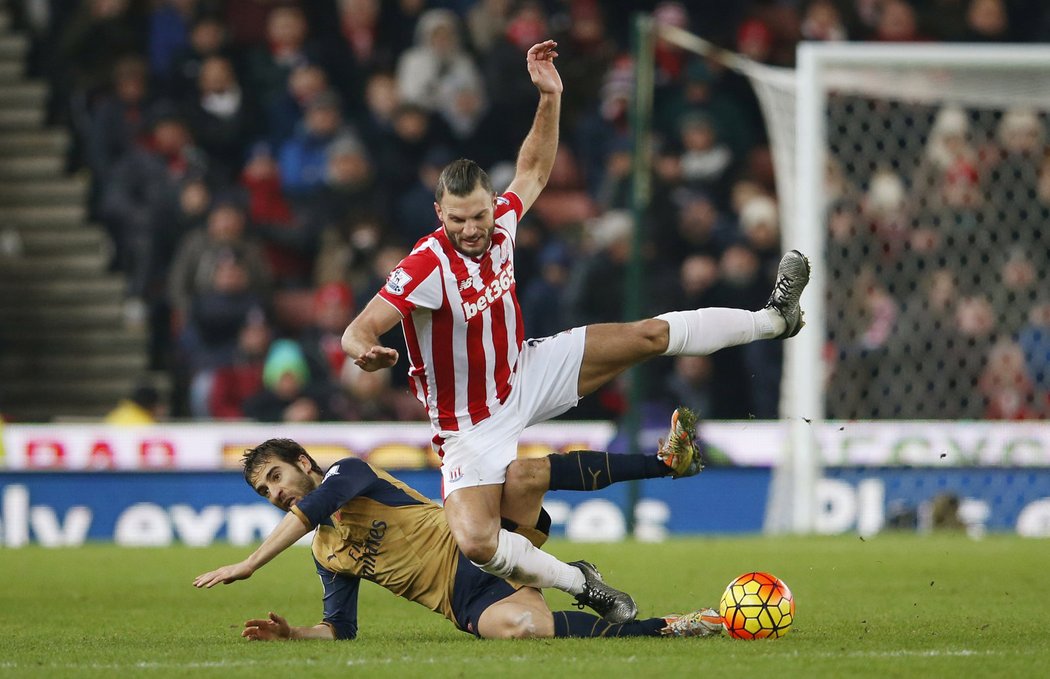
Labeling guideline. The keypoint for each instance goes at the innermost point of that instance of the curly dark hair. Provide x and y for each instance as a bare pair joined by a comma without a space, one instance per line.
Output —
285,450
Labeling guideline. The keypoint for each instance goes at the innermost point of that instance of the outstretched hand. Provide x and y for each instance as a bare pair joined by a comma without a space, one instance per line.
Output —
270,629
540,60
225,575
377,358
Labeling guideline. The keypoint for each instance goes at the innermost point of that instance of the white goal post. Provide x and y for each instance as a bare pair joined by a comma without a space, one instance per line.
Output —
923,141
971,77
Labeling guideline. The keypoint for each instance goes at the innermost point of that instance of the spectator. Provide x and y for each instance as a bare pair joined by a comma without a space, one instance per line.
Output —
143,407
690,385
370,397
822,21
704,92
288,394
486,22
357,47
599,286
347,250
744,382
888,212
1034,339
429,72
98,35
287,46
509,87
200,252
216,314
987,21
141,206
1005,385
543,300
475,130
414,132
207,38
223,118
116,122
381,106
897,22
285,113
350,190
706,159
242,377
414,214
760,226
303,159
589,52
169,30
333,309
606,130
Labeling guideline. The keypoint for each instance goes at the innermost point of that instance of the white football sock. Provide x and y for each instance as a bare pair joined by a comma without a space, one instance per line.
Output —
519,560
704,331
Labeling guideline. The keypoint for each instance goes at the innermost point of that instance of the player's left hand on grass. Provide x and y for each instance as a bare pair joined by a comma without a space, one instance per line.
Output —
270,629
225,575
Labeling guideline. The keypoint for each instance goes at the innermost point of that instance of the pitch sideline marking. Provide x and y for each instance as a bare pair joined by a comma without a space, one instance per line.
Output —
216,664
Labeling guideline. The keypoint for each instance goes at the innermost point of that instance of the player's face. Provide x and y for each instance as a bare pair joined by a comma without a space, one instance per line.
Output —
468,220
283,484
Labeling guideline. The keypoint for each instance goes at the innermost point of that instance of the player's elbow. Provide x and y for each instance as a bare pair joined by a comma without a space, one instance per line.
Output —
350,342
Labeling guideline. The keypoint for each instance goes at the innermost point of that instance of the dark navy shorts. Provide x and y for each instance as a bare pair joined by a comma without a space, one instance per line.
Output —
473,592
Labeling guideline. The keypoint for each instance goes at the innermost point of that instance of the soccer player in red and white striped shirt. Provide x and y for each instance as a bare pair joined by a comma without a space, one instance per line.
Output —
483,383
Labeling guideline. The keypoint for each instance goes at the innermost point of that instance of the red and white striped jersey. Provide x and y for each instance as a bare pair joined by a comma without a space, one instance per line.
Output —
461,320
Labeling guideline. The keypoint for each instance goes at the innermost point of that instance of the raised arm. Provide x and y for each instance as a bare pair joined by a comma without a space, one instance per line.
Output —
536,156
290,529
361,337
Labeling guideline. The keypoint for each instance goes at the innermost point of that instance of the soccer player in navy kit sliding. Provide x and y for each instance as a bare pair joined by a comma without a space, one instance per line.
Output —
481,381
370,526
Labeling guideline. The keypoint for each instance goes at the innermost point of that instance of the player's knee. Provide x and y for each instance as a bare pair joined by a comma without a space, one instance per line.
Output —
518,624
651,335
528,476
477,547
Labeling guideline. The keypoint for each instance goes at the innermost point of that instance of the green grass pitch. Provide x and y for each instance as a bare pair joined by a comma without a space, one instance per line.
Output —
888,606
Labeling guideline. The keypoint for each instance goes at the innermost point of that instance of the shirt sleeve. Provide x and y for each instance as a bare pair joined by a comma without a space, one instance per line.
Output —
340,601
344,480
508,213
414,283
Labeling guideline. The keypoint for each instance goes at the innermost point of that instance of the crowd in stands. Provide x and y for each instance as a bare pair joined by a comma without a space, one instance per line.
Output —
260,166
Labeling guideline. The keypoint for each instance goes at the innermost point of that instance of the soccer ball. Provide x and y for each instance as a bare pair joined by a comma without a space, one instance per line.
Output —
757,606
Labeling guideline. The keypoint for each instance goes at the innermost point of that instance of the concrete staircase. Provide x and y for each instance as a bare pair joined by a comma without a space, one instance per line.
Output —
65,351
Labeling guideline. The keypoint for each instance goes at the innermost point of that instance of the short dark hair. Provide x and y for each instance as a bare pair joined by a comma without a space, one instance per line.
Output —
460,178
285,450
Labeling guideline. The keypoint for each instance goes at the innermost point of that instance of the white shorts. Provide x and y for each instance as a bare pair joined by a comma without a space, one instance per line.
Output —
546,384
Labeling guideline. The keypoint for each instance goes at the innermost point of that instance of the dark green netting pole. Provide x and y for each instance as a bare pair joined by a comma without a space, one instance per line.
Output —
641,130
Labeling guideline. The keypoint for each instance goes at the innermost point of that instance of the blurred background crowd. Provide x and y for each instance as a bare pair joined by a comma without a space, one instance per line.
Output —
260,166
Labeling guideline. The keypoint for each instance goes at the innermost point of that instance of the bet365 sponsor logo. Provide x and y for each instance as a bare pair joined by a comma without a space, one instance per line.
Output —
492,292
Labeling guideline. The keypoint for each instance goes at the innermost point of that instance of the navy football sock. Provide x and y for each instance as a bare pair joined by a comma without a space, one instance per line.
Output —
579,624
594,470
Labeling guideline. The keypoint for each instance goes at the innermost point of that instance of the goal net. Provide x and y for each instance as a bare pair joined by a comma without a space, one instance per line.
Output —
917,179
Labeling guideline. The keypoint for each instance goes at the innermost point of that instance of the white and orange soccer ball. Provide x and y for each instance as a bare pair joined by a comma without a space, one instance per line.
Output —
757,606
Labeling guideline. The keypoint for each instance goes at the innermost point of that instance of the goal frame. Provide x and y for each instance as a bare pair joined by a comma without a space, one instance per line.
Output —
802,389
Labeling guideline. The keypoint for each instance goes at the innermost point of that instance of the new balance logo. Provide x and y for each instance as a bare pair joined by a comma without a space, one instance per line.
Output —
493,291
